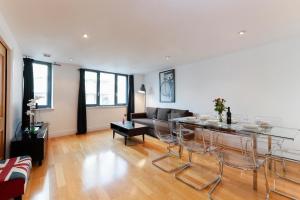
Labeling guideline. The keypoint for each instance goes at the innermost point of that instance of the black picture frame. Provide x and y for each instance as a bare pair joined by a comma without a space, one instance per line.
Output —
167,86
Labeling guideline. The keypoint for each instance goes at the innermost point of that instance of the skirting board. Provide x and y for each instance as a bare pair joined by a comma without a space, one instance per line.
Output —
73,131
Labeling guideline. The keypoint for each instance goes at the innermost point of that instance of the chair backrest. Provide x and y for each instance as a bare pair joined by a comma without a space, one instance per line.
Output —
185,133
192,137
162,128
243,154
263,140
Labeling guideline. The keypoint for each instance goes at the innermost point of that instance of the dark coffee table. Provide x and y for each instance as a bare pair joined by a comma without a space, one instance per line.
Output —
128,129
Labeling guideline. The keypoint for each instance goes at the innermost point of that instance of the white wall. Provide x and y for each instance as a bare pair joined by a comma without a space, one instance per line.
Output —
139,99
262,81
63,117
14,82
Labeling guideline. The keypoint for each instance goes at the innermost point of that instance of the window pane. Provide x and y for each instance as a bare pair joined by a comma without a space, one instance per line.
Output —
122,89
107,89
40,81
90,87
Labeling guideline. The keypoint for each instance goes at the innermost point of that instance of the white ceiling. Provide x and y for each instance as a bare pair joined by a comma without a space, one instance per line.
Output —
134,36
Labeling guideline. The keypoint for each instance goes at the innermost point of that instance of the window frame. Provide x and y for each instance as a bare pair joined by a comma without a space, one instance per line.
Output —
49,82
116,89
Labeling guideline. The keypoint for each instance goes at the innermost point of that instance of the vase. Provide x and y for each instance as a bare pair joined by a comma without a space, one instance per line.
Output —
220,117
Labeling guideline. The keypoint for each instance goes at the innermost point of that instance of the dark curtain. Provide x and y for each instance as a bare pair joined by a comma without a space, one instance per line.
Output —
130,107
81,110
27,90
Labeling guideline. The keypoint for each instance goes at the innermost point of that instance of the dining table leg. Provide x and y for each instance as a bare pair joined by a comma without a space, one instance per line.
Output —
254,138
269,151
254,179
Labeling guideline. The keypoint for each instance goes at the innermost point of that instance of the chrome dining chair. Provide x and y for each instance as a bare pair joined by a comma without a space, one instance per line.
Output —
164,131
194,140
283,155
245,159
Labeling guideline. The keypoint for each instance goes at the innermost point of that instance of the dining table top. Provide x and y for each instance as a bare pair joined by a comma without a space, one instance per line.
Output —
246,128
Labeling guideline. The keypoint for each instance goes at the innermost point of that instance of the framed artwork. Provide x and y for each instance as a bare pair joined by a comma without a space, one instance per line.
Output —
167,86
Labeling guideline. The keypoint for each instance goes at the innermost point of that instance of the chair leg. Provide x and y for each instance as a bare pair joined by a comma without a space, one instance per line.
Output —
283,166
213,188
284,176
196,187
169,154
268,190
174,153
185,166
190,156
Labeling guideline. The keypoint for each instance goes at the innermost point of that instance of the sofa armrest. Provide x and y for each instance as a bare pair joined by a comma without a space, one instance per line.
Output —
189,114
138,115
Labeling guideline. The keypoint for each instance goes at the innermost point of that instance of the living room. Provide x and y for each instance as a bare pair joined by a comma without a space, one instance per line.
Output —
149,99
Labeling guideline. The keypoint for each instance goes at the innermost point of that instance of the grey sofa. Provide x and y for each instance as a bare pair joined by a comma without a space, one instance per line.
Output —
163,114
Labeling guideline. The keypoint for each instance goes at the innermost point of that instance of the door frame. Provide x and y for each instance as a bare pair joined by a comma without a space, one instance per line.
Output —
6,82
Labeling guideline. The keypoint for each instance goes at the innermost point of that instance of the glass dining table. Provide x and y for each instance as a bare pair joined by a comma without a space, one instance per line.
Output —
246,128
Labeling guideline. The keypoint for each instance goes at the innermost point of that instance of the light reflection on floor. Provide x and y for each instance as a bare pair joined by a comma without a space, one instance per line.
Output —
103,169
141,163
44,192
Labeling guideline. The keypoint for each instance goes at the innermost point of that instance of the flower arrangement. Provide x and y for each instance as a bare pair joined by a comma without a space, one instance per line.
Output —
220,107
32,106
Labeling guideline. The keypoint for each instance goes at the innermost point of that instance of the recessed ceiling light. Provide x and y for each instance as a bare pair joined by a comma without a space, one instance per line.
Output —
85,36
70,59
242,32
167,57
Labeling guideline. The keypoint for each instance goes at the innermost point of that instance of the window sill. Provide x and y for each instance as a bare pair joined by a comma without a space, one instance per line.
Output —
45,109
100,107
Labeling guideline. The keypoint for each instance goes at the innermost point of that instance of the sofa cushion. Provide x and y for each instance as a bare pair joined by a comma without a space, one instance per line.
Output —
162,113
144,121
14,174
181,112
175,113
15,168
151,112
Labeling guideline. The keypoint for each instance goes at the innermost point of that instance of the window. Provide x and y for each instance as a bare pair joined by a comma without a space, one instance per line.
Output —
105,89
42,81
122,89
91,94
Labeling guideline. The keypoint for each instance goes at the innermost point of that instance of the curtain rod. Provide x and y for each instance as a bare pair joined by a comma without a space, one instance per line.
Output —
53,63
94,70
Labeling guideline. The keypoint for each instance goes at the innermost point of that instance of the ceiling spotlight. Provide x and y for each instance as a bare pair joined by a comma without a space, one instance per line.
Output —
167,57
85,36
242,32
47,55
70,59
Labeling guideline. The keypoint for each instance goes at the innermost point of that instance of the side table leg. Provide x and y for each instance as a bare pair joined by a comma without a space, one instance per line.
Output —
18,198
125,140
113,134
143,138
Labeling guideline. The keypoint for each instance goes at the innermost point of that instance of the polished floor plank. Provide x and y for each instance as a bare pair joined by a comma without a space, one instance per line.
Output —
94,166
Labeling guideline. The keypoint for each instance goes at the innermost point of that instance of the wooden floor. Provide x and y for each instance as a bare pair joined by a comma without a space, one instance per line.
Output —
94,166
